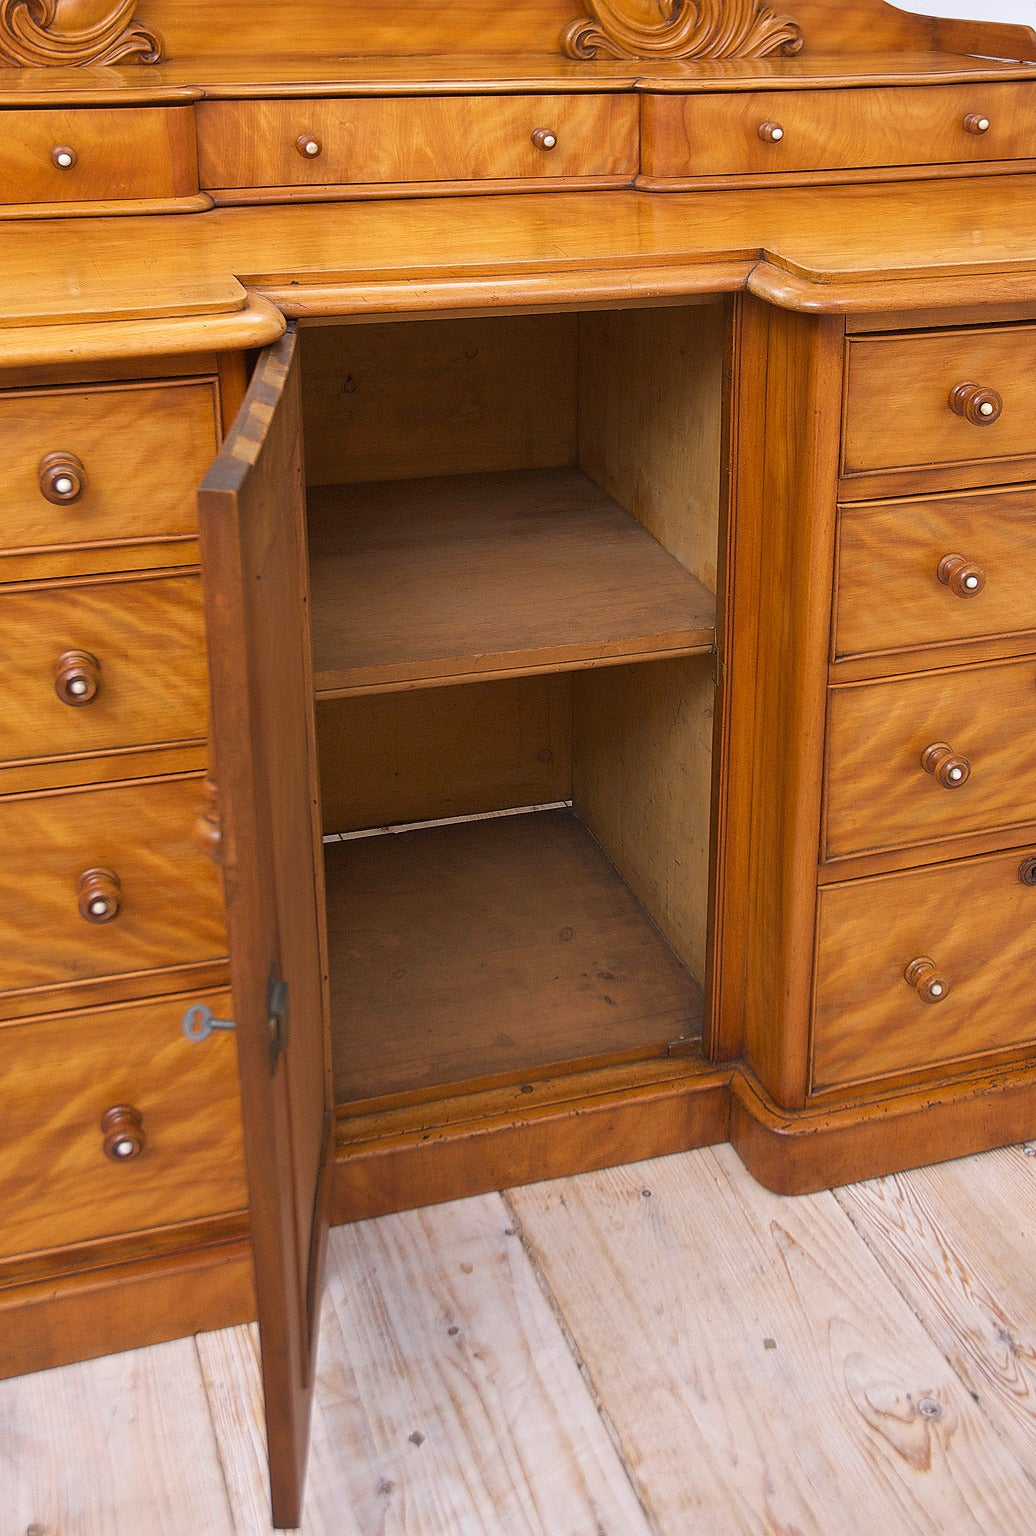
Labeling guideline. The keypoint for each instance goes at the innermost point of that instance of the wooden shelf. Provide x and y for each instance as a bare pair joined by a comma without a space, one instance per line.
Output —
417,582
491,950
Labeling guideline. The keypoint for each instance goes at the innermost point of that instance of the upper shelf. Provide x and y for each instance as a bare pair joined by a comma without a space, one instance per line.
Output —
417,582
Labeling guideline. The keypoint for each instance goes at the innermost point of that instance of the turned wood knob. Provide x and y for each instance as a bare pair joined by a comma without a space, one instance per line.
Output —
62,478
544,138
771,133
77,677
976,122
63,157
945,766
123,1129
927,980
976,404
963,578
99,892
1027,871
308,147
208,829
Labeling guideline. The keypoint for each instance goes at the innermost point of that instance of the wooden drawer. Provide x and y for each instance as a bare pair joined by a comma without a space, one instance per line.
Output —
143,450
973,920
879,795
898,406
890,593
426,139
139,643
61,1074
171,909
762,132
82,154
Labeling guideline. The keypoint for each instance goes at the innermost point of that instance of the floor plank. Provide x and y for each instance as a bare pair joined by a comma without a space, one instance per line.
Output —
448,1402
120,1446
959,1242
762,1373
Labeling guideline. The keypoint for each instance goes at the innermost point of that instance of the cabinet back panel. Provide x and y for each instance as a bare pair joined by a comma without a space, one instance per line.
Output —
435,752
650,417
642,783
438,397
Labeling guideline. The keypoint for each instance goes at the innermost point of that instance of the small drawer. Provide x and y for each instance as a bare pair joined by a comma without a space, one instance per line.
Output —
105,882
422,139
920,969
934,571
946,397
90,468
756,133
85,154
101,665
62,1075
930,756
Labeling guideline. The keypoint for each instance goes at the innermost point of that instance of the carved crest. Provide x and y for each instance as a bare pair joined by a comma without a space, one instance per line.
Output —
51,32
681,29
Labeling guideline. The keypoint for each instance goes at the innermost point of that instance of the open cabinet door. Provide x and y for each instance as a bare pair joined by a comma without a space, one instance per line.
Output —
253,542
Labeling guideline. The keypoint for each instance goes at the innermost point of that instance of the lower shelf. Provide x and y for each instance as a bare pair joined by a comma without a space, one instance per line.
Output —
491,950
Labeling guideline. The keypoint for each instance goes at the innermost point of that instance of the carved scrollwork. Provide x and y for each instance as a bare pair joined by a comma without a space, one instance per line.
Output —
38,33
682,29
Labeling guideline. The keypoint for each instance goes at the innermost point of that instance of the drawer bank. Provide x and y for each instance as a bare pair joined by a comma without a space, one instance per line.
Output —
517,585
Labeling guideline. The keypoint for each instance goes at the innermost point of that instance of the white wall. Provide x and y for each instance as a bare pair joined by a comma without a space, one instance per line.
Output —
974,10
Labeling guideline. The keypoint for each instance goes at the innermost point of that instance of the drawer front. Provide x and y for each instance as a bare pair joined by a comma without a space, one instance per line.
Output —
972,921
899,412
167,905
881,795
400,139
82,154
62,1074
97,466
919,573
102,665
759,132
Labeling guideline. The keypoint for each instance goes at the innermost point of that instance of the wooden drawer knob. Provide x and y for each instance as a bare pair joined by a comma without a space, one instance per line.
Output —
771,133
100,895
77,677
308,147
1027,871
208,828
976,122
122,1127
544,138
929,983
62,478
945,766
63,157
963,578
976,403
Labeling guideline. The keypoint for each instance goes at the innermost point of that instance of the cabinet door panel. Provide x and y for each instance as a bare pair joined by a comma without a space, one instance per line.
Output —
252,529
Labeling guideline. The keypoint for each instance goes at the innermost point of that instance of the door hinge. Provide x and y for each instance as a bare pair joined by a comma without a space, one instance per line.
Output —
277,1015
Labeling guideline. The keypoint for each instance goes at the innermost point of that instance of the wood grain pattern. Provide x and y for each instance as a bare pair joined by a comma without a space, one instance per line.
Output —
879,796
171,911
136,1447
897,403
59,1077
866,1424
394,401
889,594
424,581
125,152
430,753
143,447
491,948
148,639
825,130
436,138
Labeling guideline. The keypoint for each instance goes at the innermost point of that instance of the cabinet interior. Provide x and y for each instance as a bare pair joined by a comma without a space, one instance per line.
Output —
513,526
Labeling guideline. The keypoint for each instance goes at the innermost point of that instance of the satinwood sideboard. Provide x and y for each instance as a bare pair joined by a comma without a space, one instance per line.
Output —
518,625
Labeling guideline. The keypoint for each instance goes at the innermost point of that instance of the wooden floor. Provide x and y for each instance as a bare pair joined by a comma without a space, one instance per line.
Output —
660,1350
